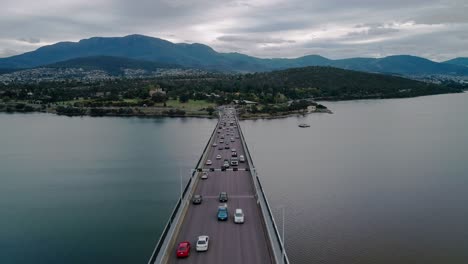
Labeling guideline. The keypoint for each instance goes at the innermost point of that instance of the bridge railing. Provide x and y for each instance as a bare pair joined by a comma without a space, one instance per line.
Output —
170,222
277,244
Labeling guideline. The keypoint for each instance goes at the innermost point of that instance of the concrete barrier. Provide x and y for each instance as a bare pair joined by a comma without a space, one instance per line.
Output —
166,241
275,239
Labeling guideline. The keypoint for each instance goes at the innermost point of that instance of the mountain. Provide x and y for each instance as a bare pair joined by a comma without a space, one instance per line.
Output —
401,65
458,61
196,55
112,65
134,47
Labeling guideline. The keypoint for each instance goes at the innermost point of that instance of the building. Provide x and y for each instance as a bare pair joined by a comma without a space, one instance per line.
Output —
246,102
156,91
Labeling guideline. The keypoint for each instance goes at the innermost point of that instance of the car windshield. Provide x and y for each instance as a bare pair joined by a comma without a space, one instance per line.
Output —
182,248
201,242
238,214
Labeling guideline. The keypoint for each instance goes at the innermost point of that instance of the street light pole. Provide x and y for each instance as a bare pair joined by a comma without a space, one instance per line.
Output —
180,175
283,235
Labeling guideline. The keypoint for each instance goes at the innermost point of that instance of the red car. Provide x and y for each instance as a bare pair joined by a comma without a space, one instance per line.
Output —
183,250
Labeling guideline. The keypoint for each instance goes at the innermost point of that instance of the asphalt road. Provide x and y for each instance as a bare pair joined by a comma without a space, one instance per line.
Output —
229,242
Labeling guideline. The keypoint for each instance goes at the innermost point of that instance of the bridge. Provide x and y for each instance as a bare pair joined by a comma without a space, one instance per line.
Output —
255,241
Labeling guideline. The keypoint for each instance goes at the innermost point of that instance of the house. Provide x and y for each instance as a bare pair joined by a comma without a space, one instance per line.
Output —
156,91
245,102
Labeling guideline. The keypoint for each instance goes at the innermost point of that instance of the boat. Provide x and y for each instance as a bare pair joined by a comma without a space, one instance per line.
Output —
304,125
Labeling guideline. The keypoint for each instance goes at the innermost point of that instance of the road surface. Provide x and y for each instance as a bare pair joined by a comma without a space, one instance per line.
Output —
229,242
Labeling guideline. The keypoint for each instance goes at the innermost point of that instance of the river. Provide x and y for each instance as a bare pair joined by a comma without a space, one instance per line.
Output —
378,181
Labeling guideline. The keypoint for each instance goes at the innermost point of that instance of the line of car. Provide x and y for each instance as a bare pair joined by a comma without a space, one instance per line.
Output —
183,248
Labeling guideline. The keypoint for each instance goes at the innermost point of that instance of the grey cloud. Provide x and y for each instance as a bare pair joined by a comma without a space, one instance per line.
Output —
375,31
30,40
276,28
7,52
258,40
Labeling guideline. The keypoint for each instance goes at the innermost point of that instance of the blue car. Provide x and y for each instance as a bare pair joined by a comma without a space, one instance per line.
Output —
223,213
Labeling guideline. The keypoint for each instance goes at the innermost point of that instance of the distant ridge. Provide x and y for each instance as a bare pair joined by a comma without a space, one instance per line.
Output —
458,61
139,47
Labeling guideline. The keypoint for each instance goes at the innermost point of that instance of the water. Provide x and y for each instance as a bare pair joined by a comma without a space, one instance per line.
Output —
90,190
379,181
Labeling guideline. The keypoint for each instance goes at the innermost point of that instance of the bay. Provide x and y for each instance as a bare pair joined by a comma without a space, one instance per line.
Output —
91,190
378,181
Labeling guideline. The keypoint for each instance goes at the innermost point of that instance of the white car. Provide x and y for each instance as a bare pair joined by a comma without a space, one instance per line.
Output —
208,162
204,176
233,150
202,243
239,216
218,156
241,158
214,144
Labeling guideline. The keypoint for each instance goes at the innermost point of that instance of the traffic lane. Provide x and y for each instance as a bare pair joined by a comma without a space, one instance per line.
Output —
235,183
225,154
229,242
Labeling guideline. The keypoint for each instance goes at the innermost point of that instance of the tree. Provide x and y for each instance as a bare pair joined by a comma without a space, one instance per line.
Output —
159,98
183,98
254,109
210,110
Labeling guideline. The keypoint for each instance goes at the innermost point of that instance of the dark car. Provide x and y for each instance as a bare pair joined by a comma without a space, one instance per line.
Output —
183,250
223,197
226,147
197,199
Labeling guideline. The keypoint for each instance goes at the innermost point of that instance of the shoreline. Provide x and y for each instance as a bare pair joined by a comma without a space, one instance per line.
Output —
163,115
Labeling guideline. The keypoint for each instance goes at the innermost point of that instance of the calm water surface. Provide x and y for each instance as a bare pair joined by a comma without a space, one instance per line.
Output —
90,190
381,181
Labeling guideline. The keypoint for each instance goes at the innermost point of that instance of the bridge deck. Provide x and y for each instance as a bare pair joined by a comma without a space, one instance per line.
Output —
229,242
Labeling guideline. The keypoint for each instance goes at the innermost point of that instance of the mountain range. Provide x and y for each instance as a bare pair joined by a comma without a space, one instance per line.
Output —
138,51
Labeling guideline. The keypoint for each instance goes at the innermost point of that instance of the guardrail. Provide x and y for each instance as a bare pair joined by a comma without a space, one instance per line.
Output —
279,246
170,223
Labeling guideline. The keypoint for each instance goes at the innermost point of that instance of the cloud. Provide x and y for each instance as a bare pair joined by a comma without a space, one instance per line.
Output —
30,40
253,39
7,52
436,29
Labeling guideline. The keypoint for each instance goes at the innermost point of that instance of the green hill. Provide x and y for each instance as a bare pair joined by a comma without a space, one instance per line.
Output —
336,84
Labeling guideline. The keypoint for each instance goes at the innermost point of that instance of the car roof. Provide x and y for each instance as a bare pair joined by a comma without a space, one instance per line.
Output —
202,237
238,210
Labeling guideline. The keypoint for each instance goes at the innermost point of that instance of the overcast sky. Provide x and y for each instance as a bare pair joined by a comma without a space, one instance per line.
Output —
435,29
